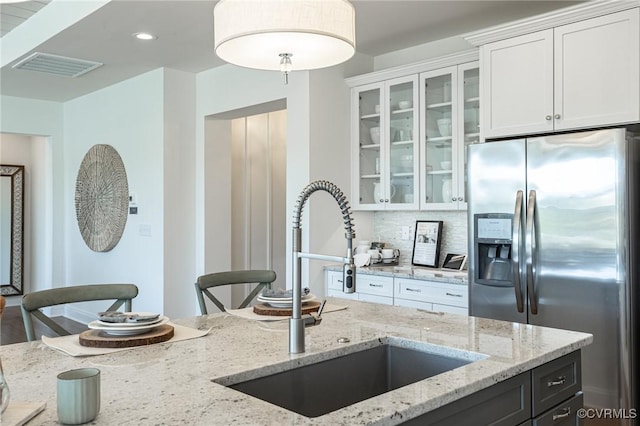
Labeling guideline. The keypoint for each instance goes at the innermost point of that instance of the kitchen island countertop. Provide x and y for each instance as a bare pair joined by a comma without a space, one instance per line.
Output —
173,383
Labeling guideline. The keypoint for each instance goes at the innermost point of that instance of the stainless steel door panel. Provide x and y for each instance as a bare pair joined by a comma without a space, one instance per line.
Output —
496,173
579,184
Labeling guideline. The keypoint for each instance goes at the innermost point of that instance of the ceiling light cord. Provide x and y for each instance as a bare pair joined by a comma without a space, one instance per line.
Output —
285,65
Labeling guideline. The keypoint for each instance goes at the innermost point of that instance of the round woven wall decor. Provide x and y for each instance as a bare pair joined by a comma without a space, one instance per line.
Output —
102,198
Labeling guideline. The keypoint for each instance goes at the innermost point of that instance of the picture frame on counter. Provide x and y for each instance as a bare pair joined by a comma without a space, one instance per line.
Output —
426,244
457,262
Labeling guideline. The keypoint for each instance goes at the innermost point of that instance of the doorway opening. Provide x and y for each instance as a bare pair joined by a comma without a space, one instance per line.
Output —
245,191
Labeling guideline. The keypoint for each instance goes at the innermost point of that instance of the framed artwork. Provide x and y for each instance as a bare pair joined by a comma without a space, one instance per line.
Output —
426,244
455,261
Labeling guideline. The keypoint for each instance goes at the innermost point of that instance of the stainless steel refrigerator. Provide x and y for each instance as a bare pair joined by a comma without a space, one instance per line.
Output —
554,241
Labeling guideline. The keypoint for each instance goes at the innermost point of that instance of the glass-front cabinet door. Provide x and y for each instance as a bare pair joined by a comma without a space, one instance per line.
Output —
469,98
385,148
439,125
449,123
367,155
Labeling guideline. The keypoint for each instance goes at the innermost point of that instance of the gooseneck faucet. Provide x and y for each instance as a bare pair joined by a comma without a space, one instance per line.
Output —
296,323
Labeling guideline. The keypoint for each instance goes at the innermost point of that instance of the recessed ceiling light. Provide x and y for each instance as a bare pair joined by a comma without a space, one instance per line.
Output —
144,36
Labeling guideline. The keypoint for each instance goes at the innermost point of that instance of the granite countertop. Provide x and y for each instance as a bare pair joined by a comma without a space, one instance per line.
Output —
173,383
412,272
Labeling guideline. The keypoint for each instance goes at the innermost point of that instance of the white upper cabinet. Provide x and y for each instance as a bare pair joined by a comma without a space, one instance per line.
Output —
449,105
597,71
385,149
578,75
409,128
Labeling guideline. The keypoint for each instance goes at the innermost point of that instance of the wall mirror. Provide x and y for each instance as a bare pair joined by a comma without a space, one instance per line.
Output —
11,229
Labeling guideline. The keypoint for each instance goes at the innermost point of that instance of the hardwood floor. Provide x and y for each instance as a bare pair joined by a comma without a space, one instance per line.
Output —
13,328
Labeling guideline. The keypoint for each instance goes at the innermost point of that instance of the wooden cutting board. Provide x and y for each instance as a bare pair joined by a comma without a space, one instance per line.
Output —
264,309
100,339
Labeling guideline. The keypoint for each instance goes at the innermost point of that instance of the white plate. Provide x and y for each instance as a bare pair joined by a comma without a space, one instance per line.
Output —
133,324
286,303
126,329
284,299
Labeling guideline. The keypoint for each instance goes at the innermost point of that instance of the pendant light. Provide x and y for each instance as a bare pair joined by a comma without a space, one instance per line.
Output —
285,35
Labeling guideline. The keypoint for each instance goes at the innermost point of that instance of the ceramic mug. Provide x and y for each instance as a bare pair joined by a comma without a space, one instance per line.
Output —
375,256
390,254
361,259
78,396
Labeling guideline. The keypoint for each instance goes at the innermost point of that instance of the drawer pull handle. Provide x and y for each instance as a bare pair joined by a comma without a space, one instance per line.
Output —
340,281
453,294
558,381
566,412
375,285
417,290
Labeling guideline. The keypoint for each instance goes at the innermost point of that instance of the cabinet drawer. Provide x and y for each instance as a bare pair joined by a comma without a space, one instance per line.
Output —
334,280
503,404
565,414
555,381
429,291
375,285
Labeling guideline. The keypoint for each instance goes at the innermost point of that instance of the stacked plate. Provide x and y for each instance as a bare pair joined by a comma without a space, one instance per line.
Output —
139,323
283,302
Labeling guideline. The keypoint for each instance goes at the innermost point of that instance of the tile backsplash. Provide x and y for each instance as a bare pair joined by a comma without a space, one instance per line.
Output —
386,227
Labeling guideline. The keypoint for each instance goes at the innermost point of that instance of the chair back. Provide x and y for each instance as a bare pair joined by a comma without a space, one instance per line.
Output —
263,278
33,302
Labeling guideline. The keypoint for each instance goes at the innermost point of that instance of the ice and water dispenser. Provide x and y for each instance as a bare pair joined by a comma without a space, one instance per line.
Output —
492,244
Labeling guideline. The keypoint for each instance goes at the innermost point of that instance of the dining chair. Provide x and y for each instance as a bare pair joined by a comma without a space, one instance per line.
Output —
263,278
32,303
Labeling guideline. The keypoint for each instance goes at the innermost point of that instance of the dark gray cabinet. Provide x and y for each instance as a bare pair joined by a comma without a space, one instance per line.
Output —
548,395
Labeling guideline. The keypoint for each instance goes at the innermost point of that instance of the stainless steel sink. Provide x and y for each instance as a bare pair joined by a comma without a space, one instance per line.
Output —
371,369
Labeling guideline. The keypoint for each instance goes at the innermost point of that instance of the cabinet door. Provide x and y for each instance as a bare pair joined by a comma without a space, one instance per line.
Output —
402,148
469,125
439,128
517,85
367,160
597,73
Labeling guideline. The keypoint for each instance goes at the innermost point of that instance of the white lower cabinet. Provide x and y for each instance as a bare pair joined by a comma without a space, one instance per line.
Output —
411,293
333,283
431,295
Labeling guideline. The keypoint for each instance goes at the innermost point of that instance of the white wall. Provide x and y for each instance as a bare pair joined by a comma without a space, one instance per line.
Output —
421,52
317,140
220,90
42,122
179,193
130,117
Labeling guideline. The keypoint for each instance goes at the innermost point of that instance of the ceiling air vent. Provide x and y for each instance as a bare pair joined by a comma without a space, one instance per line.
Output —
58,65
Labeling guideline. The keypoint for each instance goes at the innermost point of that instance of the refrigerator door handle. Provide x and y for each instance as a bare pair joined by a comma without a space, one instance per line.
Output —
515,250
531,248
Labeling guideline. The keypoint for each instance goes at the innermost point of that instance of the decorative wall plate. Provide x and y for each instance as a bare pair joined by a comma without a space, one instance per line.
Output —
102,198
